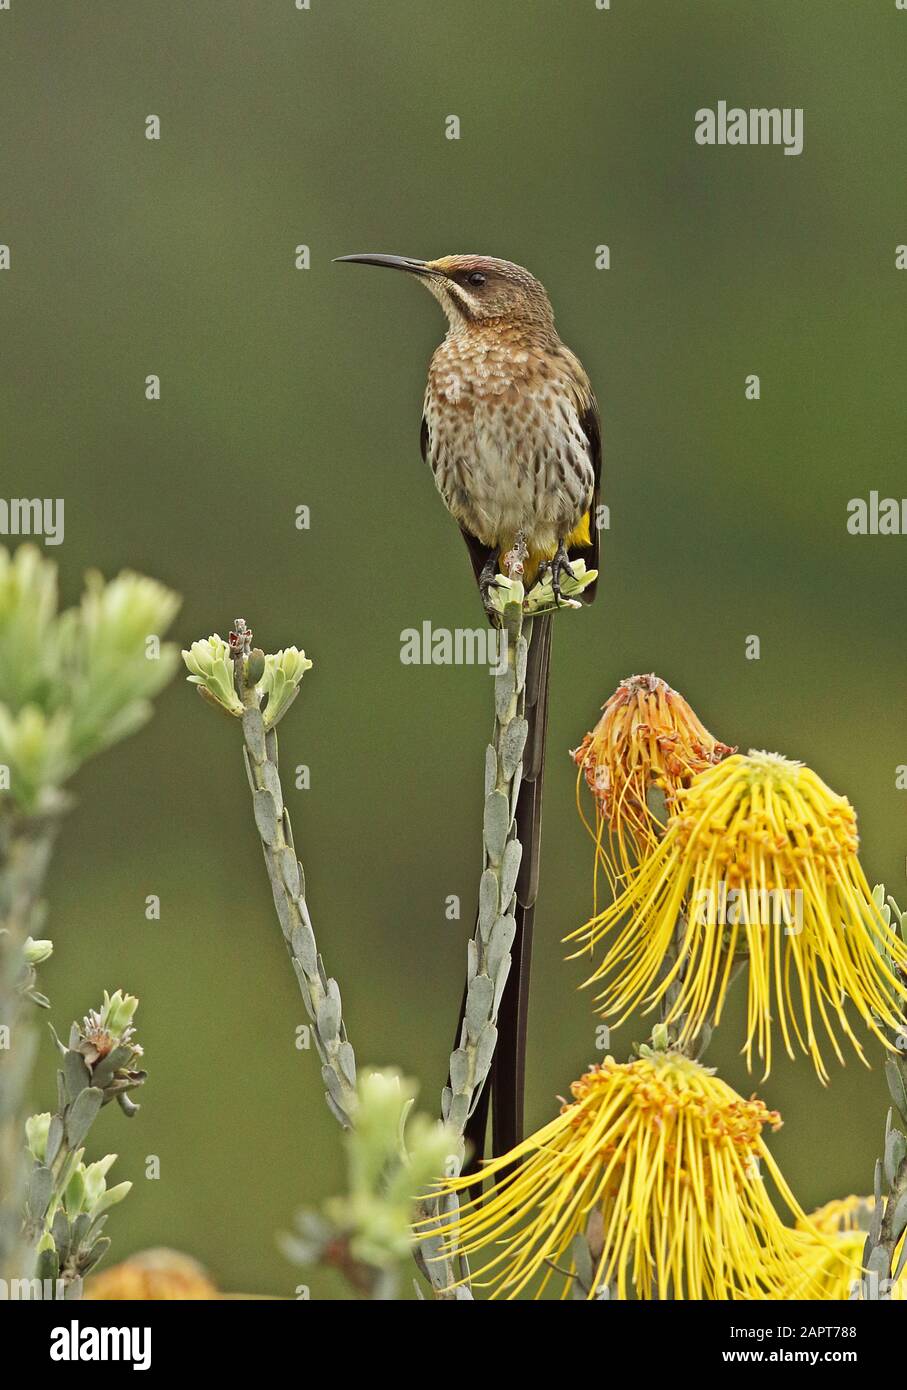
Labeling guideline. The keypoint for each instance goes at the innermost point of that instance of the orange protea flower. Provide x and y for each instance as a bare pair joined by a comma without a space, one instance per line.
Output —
648,736
669,1160
760,862
832,1264
151,1275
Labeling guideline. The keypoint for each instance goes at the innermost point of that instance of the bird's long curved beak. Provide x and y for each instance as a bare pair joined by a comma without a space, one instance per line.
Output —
394,262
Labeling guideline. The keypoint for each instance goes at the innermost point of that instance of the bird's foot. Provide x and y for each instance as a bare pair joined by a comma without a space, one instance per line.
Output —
559,566
488,583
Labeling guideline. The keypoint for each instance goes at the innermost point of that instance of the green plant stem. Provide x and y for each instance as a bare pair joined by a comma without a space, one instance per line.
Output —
488,957
26,846
889,1217
320,994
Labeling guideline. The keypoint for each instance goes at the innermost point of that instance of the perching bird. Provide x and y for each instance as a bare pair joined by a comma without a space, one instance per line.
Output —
510,429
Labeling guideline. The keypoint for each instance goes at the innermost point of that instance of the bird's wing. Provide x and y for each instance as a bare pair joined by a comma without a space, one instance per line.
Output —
590,422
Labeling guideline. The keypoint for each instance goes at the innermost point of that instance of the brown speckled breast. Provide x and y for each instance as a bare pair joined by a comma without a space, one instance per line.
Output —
505,440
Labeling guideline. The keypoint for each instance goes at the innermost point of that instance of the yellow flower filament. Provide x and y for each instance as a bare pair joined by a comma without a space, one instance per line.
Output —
771,832
832,1265
670,1157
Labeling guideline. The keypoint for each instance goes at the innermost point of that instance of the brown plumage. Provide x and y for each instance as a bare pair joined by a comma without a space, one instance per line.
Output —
511,432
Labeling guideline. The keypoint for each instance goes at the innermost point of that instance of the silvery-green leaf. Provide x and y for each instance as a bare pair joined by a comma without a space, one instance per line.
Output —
582,1259
510,867
332,1081
59,1229
491,769
340,1116
271,780
304,947
82,1115
346,1060
500,981
431,1250
80,1228
459,1111
329,1014
254,733
104,1071
513,741
289,870
446,1098
896,1085
459,1070
485,1050
489,901
96,1253
515,792
76,1074
522,655
472,960
504,687
478,1005
875,1224
895,1152
496,825
40,1191
54,1138
899,1219
513,622
266,812
502,934
304,988
878,1264
247,764
658,806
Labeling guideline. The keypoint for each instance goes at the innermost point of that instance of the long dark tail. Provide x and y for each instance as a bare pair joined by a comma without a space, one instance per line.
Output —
506,1080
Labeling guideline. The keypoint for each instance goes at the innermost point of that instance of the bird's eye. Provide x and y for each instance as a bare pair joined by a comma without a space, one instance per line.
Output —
475,278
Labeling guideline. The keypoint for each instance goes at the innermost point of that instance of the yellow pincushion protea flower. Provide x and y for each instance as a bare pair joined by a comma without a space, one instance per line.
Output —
670,1160
648,736
832,1264
759,861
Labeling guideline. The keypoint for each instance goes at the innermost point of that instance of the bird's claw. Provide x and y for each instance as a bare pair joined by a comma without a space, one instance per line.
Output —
487,583
559,566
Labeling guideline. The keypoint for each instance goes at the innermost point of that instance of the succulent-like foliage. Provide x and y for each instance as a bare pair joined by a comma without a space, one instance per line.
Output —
67,1199
391,1154
71,685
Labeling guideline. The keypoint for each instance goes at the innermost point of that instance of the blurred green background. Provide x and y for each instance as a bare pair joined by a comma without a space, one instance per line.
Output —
283,387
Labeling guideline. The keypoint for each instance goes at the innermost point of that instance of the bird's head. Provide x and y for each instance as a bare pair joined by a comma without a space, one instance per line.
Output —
475,290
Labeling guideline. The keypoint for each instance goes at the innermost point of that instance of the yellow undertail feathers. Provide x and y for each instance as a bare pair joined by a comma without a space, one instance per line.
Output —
581,535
